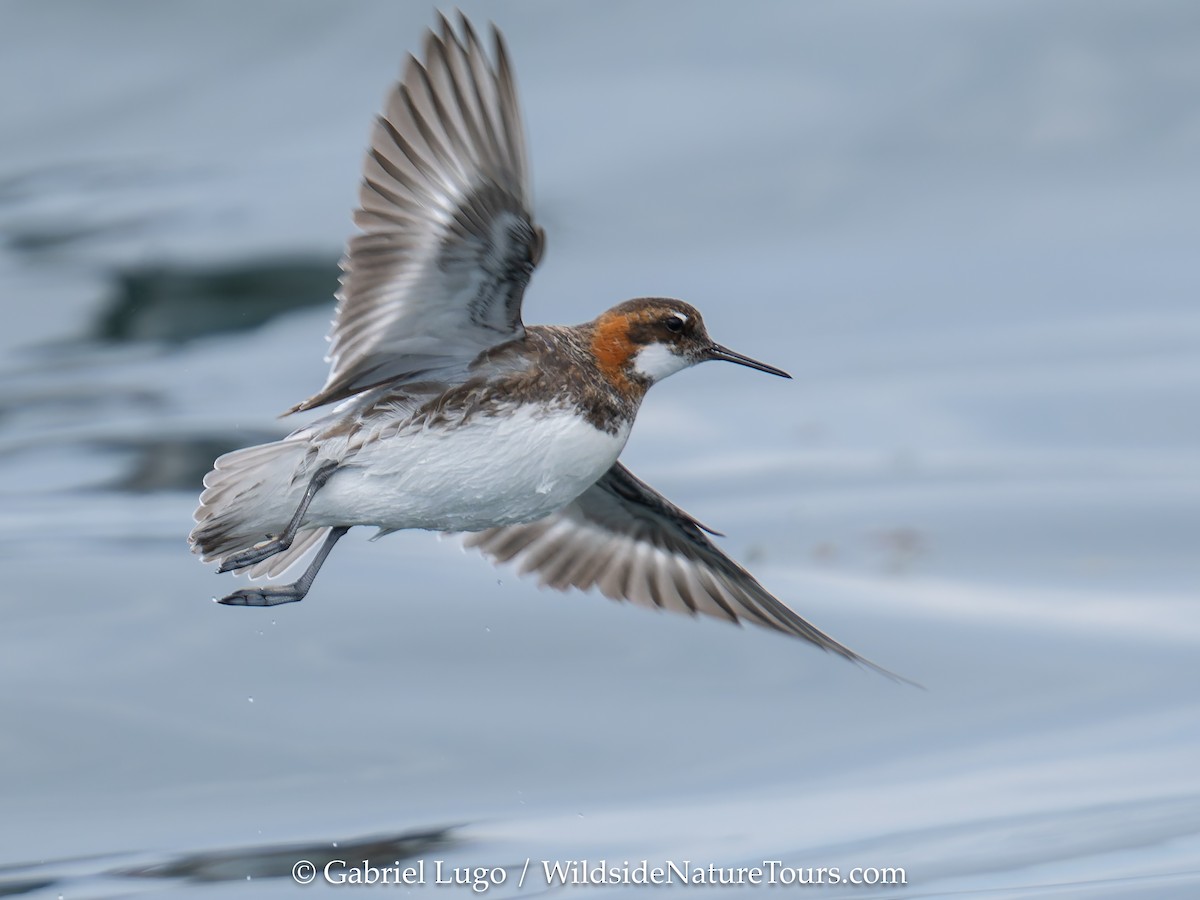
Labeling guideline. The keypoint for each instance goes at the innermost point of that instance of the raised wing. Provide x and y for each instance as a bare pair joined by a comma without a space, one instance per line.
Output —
626,539
447,240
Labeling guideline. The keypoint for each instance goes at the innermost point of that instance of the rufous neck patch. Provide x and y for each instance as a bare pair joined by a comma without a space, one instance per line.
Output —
612,349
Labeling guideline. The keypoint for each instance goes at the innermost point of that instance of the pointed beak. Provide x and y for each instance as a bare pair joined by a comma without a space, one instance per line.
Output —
716,351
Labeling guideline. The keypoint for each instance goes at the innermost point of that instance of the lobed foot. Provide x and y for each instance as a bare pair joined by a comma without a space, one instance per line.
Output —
273,595
265,596
257,553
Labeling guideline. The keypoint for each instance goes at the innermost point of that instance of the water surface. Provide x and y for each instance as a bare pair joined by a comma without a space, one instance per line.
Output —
968,231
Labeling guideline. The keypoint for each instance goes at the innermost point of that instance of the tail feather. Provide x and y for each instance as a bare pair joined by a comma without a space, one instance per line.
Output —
250,495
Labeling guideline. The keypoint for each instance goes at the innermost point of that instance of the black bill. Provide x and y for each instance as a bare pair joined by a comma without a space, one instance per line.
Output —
716,351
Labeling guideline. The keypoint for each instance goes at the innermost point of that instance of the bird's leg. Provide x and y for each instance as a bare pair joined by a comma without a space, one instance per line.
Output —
273,595
279,543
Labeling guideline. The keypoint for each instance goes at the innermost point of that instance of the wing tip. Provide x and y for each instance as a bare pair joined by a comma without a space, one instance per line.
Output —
840,649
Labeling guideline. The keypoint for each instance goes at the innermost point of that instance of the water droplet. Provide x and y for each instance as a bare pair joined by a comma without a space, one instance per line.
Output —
251,699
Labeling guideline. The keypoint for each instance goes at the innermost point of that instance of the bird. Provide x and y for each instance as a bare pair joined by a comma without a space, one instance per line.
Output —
449,413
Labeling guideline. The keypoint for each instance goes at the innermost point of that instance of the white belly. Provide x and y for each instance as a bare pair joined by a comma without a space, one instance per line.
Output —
493,470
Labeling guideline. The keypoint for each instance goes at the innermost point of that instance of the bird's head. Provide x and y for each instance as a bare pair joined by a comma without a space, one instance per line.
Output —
640,342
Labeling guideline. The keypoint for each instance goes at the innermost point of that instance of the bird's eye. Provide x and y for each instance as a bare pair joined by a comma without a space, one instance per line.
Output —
674,324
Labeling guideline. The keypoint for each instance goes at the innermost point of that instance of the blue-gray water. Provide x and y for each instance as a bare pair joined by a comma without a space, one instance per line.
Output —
970,232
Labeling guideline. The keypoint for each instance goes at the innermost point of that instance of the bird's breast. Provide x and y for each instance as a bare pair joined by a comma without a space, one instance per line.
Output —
497,468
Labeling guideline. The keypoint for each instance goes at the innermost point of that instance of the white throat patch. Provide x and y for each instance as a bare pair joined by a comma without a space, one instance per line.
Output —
656,361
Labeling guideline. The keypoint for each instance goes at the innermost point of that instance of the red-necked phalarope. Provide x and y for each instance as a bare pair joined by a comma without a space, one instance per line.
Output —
452,415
